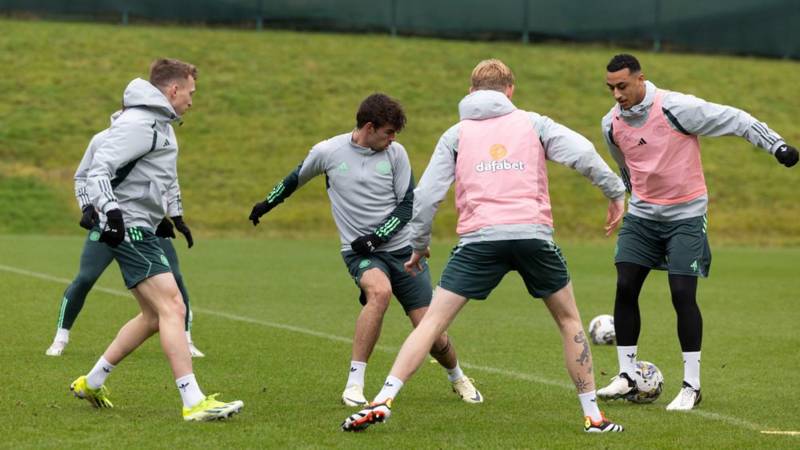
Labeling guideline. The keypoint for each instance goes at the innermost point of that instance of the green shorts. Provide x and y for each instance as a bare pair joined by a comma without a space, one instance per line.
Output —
679,246
475,269
140,256
411,291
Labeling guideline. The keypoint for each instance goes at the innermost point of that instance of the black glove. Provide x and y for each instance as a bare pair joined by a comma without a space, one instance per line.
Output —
786,155
259,209
366,244
180,225
89,218
165,229
114,233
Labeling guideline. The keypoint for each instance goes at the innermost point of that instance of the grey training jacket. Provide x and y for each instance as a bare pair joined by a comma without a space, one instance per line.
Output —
364,186
134,165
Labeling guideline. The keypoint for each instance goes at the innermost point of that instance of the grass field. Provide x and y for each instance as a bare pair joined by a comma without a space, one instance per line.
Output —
275,319
264,98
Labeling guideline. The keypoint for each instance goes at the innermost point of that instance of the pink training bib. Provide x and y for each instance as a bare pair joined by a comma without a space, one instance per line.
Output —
664,164
501,177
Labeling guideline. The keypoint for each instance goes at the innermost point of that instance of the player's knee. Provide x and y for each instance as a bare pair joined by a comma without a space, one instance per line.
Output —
85,281
378,297
626,287
174,307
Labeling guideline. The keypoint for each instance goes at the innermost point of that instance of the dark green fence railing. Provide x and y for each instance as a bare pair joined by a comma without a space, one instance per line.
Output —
753,27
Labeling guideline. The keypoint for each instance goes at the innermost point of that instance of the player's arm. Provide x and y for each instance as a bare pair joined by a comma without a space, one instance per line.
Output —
569,148
432,189
126,142
312,166
89,216
175,212
399,217
691,115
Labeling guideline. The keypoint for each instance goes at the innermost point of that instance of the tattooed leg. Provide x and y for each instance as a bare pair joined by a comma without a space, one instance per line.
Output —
577,354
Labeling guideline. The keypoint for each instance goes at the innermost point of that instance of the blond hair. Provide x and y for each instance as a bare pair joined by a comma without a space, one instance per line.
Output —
492,74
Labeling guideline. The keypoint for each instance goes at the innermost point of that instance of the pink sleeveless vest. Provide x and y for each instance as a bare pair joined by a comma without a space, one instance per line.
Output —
501,177
664,164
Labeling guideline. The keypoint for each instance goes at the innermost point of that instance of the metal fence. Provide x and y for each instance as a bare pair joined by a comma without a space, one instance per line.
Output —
755,27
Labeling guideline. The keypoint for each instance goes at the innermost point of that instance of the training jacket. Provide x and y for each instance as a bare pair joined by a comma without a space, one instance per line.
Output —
370,191
560,144
689,115
172,201
134,164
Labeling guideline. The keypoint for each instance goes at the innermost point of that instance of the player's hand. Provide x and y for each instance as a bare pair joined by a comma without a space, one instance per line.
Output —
786,155
259,209
364,245
89,218
181,226
165,229
616,209
414,265
114,233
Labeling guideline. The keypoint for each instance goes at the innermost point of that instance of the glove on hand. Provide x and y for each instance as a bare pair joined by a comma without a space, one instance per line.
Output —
259,209
786,155
89,217
366,244
181,226
165,229
114,233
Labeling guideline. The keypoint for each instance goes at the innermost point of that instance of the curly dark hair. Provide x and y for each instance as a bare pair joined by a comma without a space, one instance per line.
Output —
624,61
380,109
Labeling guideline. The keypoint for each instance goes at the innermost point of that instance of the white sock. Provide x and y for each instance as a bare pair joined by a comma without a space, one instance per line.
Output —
389,390
190,391
455,373
97,376
189,337
627,357
589,405
691,368
357,371
62,335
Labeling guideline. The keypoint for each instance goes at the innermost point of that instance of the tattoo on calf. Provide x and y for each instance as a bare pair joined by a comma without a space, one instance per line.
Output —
581,384
580,338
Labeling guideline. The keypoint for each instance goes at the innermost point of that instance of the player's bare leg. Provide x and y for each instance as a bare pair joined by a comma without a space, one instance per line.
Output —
578,357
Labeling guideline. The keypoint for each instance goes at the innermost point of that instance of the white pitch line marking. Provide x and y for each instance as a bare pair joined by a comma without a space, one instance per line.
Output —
731,420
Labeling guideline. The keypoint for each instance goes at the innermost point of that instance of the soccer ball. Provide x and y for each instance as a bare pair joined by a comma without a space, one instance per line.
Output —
649,382
601,329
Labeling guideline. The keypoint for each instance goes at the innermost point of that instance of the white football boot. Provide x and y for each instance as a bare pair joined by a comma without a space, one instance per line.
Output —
621,386
353,395
56,348
687,399
196,353
466,390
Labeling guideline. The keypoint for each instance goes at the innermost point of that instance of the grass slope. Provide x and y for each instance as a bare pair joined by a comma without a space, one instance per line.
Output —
247,293
265,98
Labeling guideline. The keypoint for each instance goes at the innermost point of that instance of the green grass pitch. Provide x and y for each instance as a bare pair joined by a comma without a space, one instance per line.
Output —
275,319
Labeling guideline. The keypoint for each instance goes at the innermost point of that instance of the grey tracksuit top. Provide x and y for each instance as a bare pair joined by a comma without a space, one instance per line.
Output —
560,144
370,191
689,115
173,203
134,164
